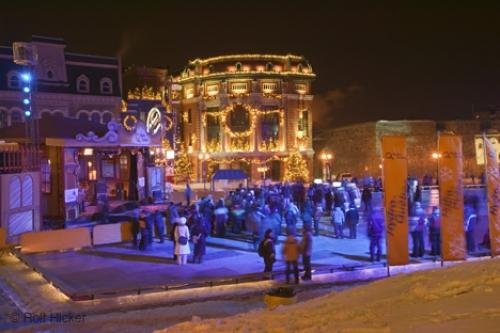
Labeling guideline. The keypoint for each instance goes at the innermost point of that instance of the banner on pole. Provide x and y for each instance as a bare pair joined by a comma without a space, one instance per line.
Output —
394,162
493,191
451,197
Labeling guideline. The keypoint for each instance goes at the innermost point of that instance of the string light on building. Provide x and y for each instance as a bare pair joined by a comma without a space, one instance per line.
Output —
26,98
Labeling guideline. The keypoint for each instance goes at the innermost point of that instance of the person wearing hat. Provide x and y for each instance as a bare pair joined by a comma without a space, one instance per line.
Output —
182,235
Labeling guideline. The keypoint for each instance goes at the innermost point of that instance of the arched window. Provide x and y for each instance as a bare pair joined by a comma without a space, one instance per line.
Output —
96,117
106,85
269,67
27,191
13,81
15,117
238,66
106,117
83,115
15,192
3,119
50,75
299,68
82,84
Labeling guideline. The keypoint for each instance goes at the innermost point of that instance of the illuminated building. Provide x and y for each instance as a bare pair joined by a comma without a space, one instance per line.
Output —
244,112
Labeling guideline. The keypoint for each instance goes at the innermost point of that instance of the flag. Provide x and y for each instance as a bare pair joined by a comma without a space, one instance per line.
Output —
493,192
451,197
394,161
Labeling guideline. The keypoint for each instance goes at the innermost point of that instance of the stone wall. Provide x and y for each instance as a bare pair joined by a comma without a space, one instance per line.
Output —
357,147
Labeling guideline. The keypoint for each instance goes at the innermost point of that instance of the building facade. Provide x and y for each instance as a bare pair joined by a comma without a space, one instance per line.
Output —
248,112
357,148
70,85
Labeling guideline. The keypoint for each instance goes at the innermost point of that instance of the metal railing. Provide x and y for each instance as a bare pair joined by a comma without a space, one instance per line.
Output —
16,158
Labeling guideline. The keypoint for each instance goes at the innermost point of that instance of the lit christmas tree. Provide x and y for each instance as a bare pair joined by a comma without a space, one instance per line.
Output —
182,166
296,168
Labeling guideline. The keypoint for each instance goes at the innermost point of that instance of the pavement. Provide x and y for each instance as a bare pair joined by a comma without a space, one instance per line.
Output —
122,269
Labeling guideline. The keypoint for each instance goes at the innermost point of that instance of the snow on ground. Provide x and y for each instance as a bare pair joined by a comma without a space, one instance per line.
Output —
461,298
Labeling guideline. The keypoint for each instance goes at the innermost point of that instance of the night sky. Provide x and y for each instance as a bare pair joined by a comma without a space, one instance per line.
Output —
376,62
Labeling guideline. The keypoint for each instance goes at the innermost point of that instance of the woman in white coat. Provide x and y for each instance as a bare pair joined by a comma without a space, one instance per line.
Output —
182,235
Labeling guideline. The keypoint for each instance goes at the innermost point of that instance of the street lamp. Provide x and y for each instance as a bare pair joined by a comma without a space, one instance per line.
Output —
326,158
436,156
203,157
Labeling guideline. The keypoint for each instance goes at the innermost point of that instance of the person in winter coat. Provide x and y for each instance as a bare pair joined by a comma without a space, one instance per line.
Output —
375,232
306,251
291,216
188,193
143,230
291,255
221,217
269,253
416,226
199,234
435,231
181,236
469,225
160,225
366,197
318,213
352,220
338,222
307,214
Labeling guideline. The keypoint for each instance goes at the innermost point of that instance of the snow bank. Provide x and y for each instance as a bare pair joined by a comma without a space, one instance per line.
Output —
461,298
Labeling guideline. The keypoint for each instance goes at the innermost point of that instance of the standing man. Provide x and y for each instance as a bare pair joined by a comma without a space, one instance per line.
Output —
469,224
160,225
188,193
375,232
338,222
306,249
352,220
366,197
268,252
291,255
435,231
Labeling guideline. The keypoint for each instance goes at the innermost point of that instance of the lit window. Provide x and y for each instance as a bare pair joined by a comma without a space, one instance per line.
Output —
189,92
269,87
13,81
212,89
239,88
82,84
45,175
301,88
106,86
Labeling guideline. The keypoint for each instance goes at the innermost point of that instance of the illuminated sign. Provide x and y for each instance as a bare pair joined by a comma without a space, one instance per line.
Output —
130,122
153,121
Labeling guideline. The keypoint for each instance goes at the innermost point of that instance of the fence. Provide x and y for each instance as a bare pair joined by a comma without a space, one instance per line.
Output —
16,158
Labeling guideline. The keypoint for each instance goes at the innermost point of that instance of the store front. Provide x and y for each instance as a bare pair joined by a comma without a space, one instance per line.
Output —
93,171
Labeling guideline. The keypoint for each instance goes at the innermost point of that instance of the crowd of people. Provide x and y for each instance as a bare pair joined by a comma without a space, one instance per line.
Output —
264,213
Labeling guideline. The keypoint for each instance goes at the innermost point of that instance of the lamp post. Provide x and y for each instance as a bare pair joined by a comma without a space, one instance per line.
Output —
326,158
203,157
436,156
